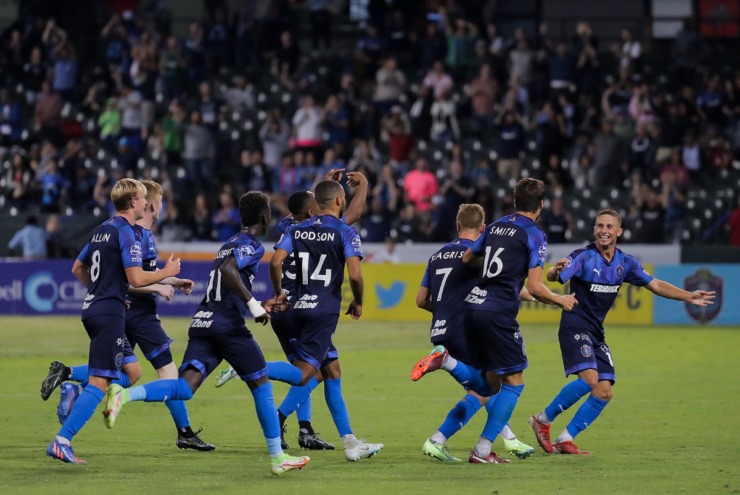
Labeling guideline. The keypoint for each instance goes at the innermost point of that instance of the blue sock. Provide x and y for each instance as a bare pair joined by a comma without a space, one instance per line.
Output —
304,410
79,373
470,377
264,403
123,381
296,397
284,372
82,411
179,412
568,395
162,390
586,414
459,415
337,407
500,410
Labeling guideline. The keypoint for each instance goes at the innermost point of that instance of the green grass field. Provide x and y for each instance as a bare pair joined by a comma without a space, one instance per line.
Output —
671,427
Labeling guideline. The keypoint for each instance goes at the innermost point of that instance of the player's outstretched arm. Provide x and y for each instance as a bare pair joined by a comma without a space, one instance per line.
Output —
137,277
537,288
276,270
185,285
554,271
670,291
229,271
164,290
524,295
359,185
424,299
82,272
357,285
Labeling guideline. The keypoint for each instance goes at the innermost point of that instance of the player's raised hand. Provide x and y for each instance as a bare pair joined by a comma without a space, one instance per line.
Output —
355,179
354,310
166,291
702,297
561,264
568,302
185,285
172,266
334,174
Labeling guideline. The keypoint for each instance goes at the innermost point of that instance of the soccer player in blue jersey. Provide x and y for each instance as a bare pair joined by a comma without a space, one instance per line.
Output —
109,263
447,282
321,246
217,332
302,206
512,249
596,272
144,328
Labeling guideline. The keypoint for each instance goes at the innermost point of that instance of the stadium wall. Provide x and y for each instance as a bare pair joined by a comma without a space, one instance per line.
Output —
49,288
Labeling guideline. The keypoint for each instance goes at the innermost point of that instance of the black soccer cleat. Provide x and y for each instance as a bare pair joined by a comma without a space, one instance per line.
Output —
193,442
58,373
283,444
311,441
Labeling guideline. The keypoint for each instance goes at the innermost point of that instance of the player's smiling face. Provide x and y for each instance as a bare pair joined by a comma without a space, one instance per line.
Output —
606,230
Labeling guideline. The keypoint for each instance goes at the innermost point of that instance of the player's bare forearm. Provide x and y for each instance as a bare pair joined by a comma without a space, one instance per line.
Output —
423,299
357,206
149,289
670,291
357,285
276,270
137,277
552,274
230,277
81,272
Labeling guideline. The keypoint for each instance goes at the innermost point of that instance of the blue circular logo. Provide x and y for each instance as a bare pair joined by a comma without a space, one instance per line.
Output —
41,292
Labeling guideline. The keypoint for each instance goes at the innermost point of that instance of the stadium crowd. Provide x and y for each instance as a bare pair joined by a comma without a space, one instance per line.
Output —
436,106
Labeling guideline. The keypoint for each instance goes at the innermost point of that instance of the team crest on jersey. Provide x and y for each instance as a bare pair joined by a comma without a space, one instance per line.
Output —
119,360
704,279
135,250
620,271
542,251
245,251
586,351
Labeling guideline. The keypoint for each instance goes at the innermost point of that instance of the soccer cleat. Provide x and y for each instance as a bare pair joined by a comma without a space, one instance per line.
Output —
312,441
68,394
568,447
542,433
283,444
115,398
58,373
362,450
492,458
224,376
518,448
430,363
438,451
194,442
63,452
283,463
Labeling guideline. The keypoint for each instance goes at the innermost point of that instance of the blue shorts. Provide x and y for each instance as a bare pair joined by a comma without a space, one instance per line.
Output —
107,336
144,329
285,331
314,343
237,347
456,345
582,350
495,342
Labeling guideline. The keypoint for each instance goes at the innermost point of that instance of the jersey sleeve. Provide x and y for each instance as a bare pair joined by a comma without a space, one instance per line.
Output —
636,274
352,243
151,246
572,267
479,246
82,257
130,246
425,282
247,254
285,242
537,243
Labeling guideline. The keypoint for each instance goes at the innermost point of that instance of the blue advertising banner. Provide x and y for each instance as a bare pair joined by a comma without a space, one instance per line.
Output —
48,287
724,279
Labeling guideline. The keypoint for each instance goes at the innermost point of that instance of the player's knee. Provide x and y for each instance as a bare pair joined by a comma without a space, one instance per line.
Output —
603,391
184,389
167,372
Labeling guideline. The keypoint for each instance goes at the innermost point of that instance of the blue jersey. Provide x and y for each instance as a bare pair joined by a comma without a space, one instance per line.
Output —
449,281
289,263
596,283
114,246
321,246
221,310
145,302
510,246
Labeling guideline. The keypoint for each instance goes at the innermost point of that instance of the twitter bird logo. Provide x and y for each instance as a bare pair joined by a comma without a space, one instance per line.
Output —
391,296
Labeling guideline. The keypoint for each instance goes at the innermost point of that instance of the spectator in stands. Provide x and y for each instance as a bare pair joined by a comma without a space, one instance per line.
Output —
461,38
387,254
11,119
438,81
609,156
307,125
431,47
673,199
411,225
194,52
444,121
368,52
65,70
455,190
649,213
320,23
691,155
240,96
52,188
198,151
173,127
641,153
631,51
556,221
132,115
109,123
18,180
420,186
522,60
711,104
253,174
420,114
172,228
217,41
510,134
172,66
30,241
396,131
47,109
562,64
378,221
674,166
365,155
555,176
274,135
336,122
481,175
55,245
386,189
482,92
549,131
209,107
390,85
34,73
201,223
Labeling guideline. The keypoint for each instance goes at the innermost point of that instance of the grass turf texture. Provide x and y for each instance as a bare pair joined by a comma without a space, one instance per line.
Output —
671,427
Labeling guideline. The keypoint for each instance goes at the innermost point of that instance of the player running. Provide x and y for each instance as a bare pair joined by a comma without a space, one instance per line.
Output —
447,282
144,328
107,265
512,249
596,273
217,332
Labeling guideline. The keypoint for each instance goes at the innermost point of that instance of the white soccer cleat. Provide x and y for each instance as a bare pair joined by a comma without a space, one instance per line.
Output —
362,450
224,376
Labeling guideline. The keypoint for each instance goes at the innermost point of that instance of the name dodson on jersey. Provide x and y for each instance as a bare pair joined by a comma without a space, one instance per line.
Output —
313,236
